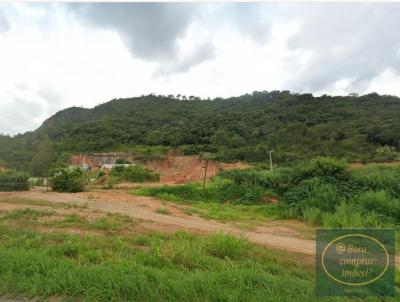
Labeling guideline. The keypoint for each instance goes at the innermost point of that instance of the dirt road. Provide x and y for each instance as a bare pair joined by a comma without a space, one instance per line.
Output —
144,208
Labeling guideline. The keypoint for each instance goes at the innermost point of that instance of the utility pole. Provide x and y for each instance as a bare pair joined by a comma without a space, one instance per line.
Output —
205,173
270,159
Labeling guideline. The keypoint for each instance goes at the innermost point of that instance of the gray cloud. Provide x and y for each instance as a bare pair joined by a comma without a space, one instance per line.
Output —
25,104
202,53
251,19
355,41
149,30
18,116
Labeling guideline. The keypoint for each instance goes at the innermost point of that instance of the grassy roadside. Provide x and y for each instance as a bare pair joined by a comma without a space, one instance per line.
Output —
150,267
227,212
125,263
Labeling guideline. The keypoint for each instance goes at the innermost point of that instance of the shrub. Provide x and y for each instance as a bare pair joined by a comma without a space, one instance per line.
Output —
352,216
67,180
377,178
278,181
11,180
314,192
111,181
218,192
381,203
36,182
326,167
121,161
239,194
136,173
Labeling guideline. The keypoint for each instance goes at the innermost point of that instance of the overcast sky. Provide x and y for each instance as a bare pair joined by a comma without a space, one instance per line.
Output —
54,56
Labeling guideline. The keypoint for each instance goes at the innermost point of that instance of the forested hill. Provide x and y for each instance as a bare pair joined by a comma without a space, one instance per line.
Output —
296,126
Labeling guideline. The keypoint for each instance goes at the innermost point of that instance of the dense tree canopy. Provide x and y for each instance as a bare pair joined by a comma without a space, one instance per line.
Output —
297,126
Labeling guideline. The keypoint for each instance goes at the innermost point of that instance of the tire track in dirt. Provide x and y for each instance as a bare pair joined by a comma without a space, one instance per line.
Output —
142,207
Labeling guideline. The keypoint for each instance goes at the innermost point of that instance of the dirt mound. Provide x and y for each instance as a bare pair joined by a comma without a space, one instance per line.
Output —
182,169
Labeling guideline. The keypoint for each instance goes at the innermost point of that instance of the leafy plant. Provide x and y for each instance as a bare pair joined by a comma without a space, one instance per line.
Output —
11,180
134,173
68,180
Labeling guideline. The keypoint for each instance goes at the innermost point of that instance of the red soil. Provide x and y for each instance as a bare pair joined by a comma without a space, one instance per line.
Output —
182,169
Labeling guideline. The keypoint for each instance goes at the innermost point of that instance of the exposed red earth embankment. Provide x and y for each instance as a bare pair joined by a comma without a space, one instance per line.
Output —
182,169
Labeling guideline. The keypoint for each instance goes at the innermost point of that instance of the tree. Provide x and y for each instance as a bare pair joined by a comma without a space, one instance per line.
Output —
43,158
220,138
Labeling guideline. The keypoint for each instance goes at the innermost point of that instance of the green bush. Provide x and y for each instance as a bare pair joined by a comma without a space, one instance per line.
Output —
322,192
259,180
12,180
218,192
122,161
67,180
325,167
111,181
377,178
353,216
380,203
136,173
36,182
313,192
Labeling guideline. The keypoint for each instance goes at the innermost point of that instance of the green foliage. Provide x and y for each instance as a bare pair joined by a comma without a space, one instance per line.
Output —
134,173
111,181
377,178
67,180
299,127
148,267
43,158
387,153
36,182
121,161
217,191
381,203
325,167
323,191
313,192
11,180
227,247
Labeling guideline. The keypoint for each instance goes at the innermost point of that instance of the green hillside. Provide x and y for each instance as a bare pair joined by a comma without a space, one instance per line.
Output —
297,126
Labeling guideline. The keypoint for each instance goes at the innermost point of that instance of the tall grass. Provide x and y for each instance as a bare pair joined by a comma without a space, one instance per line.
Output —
220,190
148,267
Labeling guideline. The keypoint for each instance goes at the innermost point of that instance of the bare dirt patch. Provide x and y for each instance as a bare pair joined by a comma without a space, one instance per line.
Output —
117,202
183,169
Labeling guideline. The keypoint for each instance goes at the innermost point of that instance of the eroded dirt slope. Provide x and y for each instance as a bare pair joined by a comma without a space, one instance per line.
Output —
182,169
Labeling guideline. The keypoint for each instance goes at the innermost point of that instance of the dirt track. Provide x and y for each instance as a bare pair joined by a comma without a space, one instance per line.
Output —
144,208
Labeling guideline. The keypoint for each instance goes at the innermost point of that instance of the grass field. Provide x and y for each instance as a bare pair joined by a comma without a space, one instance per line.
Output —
115,265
